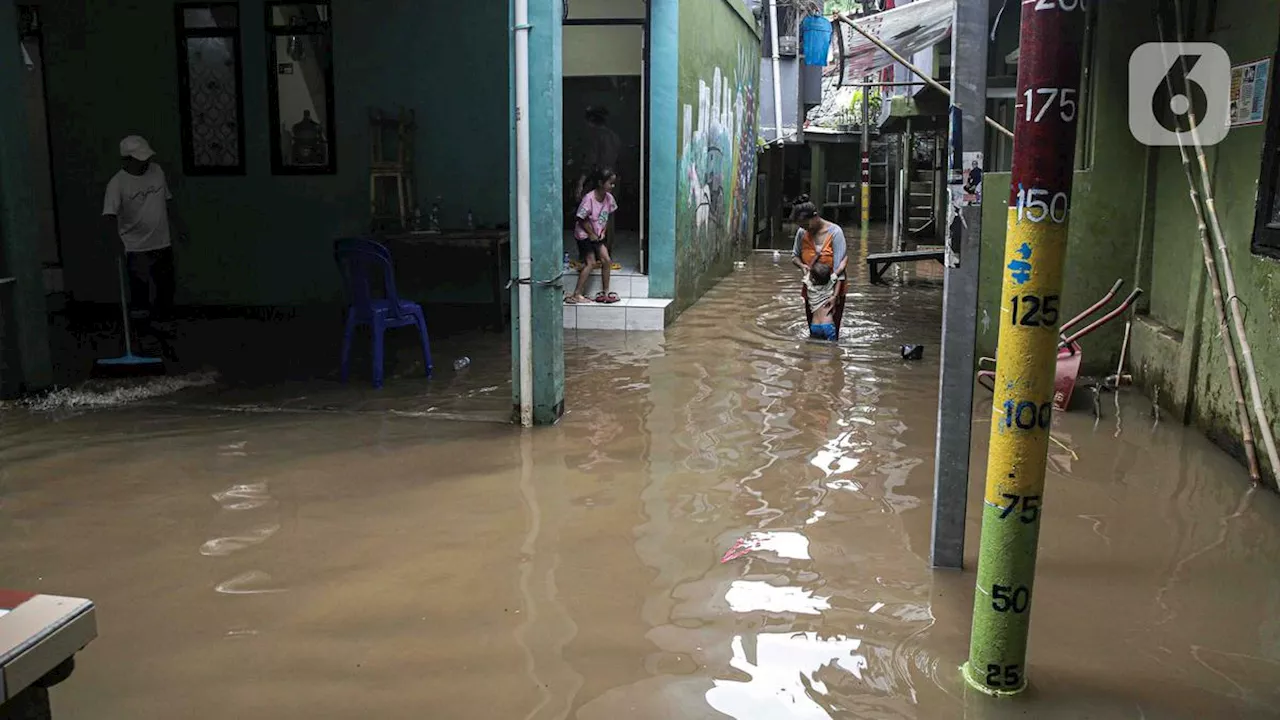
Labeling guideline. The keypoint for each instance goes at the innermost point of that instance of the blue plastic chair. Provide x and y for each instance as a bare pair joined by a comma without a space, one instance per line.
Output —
360,260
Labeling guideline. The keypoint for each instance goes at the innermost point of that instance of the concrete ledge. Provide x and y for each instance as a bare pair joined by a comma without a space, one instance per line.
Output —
1154,350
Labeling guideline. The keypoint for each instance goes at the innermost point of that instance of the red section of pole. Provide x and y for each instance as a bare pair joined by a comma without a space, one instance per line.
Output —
1048,94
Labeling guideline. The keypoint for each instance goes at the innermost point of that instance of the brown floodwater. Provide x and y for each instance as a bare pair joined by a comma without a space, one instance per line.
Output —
310,551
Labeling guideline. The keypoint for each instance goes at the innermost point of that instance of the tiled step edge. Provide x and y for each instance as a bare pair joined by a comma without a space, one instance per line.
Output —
625,284
633,314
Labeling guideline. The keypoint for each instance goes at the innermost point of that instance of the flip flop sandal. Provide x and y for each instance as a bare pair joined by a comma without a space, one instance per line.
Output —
611,298
602,298
616,266
573,300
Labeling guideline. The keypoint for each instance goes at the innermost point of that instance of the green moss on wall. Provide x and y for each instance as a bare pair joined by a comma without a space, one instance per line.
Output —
1248,30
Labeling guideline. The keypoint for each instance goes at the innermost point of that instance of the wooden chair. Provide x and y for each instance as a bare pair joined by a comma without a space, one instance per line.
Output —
394,164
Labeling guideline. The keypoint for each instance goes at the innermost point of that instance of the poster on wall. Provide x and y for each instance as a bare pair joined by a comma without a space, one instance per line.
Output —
973,178
1249,92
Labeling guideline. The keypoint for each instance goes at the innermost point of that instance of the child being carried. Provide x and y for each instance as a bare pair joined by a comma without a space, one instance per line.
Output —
822,299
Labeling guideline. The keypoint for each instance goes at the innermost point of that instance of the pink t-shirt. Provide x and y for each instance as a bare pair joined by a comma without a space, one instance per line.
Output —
597,211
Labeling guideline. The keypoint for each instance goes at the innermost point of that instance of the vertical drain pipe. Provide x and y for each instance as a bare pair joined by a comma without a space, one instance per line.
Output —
777,71
1035,250
524,261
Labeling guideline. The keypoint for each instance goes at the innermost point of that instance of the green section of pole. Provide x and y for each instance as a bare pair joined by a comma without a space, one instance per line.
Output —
1022,410
1002,608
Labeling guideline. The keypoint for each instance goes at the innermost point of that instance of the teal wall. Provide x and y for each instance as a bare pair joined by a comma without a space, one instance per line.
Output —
24,340
262,239
546,218
664,144
719,69
1178,351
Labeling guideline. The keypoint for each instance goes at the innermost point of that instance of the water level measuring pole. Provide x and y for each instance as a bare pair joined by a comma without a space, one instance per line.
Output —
1035,249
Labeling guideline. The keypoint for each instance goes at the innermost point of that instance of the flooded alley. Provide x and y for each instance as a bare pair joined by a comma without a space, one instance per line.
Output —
316,559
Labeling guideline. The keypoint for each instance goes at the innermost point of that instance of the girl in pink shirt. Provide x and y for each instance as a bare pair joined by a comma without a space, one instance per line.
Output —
593,218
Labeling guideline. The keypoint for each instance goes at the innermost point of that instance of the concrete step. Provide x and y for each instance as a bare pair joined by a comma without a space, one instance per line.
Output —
626,284
631,314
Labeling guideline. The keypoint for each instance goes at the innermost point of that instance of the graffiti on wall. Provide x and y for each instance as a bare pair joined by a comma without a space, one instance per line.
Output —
718,160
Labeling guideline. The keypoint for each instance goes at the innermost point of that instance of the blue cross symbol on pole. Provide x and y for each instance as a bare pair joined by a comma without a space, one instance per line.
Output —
1021,268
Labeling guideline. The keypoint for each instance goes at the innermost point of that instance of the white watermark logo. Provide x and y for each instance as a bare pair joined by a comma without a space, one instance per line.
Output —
1179,93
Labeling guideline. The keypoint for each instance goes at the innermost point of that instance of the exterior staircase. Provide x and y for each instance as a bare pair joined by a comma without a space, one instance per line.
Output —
636,312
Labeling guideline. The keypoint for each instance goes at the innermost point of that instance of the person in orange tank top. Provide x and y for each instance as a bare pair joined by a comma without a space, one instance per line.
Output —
818,241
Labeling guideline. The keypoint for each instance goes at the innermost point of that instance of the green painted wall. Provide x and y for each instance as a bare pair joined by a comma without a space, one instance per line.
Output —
263,239
1178,351
1106,211
719,70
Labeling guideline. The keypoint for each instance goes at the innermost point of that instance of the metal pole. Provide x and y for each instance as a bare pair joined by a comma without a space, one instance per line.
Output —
920,73
883,84
866,161
1035,250
777,71
960,295
907,173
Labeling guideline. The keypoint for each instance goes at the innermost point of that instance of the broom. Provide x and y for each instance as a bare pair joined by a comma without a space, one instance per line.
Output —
127,365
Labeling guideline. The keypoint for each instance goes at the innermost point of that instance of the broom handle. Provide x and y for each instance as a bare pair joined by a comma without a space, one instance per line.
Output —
124,309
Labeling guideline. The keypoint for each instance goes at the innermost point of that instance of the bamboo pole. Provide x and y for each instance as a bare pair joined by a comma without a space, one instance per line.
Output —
920,73
1260,412
1233,368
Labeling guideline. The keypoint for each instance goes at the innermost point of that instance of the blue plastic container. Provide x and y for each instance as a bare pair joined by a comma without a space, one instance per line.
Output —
815,34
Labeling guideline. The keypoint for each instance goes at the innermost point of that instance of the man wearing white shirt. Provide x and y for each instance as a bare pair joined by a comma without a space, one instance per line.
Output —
136,209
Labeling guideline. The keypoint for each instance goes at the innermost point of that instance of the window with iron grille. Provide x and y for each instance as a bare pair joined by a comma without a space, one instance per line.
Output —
211,100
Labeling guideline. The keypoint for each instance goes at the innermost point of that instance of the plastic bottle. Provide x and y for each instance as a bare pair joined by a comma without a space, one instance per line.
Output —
461,363
471,221
566,262
777,256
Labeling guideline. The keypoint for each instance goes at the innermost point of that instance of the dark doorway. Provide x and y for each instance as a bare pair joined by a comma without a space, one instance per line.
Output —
621,96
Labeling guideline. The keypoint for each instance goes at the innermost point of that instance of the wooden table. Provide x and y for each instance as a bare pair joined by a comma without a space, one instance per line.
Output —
431,262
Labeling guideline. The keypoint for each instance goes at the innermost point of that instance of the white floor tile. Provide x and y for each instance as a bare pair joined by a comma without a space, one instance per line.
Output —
644,318
601,317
